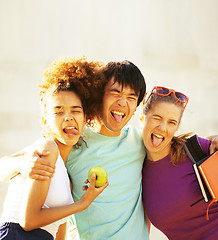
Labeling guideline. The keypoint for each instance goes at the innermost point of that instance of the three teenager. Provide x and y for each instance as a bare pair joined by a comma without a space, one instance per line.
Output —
118,212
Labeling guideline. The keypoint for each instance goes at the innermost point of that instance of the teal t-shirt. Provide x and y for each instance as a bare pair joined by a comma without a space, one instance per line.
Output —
117,213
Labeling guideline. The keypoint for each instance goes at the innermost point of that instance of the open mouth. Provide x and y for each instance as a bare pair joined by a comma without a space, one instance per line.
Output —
156,139
71,130
118,116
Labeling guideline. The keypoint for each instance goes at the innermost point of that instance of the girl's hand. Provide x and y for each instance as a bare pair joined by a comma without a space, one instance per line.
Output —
91,191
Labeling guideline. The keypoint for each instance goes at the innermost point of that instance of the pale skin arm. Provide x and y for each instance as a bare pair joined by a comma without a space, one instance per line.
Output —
214,143
29,162
34,216
10,166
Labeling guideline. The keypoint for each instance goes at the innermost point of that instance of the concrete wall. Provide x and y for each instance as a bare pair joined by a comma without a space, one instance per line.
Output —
174,43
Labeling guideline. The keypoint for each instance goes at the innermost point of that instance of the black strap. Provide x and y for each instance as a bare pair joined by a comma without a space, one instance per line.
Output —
193,149
196,153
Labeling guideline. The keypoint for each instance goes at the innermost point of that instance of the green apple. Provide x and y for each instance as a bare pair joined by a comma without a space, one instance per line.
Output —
101,175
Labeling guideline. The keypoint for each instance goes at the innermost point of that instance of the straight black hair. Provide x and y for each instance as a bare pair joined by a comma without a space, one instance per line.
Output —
126,74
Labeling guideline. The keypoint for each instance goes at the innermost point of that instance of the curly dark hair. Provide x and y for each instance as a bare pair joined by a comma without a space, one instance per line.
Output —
79,75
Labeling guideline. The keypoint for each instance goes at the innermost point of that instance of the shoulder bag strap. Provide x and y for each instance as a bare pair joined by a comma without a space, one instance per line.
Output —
193,149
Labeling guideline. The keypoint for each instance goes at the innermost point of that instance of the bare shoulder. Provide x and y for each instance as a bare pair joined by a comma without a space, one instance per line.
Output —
50,146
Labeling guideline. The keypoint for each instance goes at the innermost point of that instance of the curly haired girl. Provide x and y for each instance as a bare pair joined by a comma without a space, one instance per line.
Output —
36,209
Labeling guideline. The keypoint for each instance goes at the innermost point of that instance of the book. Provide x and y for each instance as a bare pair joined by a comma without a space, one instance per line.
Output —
208,168
198,157
204,190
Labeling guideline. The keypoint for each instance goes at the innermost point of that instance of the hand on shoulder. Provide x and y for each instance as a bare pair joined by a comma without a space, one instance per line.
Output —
39,159
214,143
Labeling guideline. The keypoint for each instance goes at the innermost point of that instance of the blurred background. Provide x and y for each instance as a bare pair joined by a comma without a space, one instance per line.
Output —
174,43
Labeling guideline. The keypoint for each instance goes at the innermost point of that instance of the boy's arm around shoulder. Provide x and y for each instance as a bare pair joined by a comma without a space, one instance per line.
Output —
10,165
31,161
214,143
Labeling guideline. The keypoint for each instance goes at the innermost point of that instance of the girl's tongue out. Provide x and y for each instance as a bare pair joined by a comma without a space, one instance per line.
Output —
156,140
71,131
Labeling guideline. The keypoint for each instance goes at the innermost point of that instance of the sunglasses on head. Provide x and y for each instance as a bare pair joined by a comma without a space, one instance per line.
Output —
163,91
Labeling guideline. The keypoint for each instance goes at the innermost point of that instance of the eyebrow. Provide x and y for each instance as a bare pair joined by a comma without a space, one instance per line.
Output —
73,107
156,115
173,120
118,91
